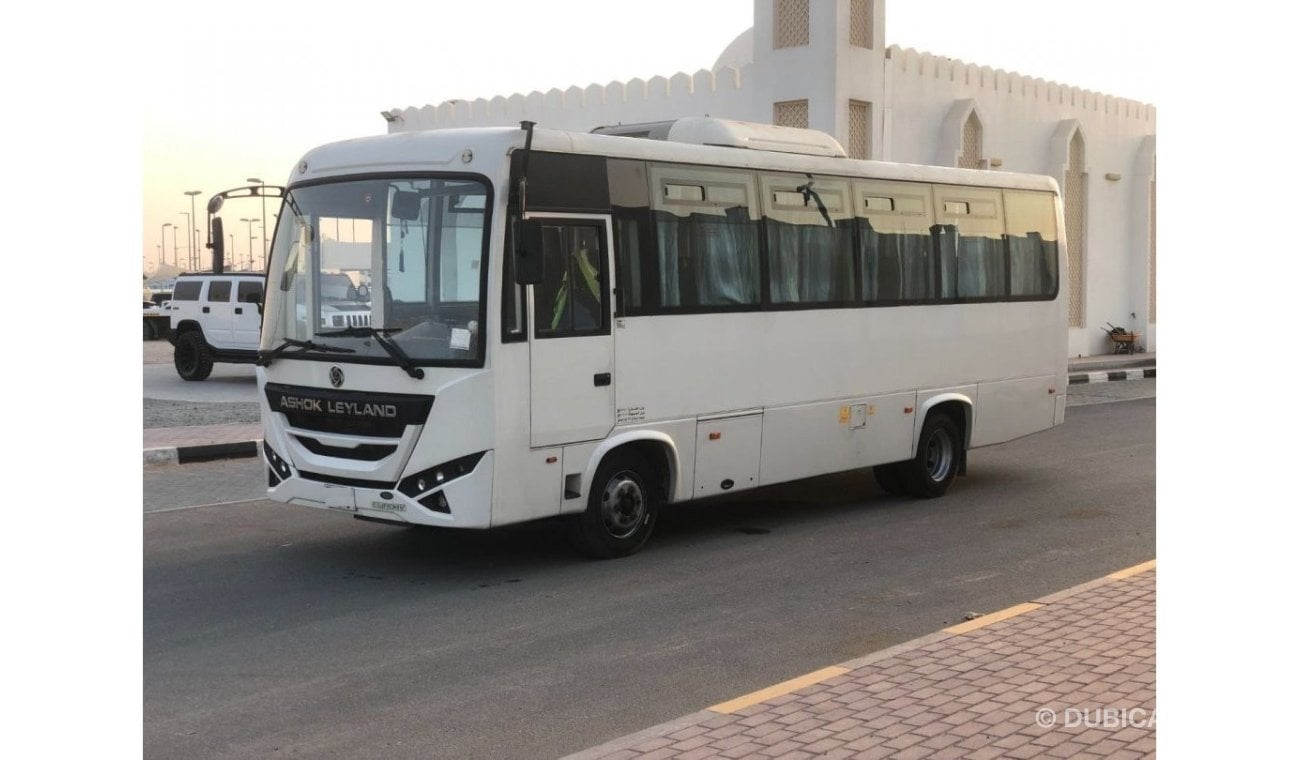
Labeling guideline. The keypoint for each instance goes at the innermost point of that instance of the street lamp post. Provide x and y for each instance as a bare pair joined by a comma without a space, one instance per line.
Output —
189,239
162,234
232,244
194,219
261,192
174,256
250,234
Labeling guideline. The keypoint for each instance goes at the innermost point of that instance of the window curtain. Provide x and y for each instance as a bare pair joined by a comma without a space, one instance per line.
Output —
809,264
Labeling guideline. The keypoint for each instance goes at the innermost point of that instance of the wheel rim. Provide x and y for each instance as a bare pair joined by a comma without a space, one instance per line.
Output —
939,455
186,356
623,505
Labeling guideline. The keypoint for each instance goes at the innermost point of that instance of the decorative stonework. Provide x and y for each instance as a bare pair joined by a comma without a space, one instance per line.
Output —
860,12
790,24
790,113
859,144
927,65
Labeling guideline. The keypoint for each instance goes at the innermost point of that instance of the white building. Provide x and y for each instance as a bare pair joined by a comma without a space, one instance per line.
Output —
824,64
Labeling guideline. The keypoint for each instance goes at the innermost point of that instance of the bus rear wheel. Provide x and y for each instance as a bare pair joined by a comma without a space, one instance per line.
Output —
622,508
938,455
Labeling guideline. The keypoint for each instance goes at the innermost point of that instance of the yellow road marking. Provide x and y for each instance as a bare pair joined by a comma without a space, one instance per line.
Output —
993,617
1129,572
785,687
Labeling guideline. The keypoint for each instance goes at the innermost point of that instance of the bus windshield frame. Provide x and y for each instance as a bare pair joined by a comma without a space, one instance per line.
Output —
402,254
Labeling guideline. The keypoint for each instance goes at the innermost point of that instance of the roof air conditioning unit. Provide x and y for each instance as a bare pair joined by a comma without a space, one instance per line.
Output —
703,130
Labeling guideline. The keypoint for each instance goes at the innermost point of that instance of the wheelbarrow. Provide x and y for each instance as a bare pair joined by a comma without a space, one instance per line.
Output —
1122,340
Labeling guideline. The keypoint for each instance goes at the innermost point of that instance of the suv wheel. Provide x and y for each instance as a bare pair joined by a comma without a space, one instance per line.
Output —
193,358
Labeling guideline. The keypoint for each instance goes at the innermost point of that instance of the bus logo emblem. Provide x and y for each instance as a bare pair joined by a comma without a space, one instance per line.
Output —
336,377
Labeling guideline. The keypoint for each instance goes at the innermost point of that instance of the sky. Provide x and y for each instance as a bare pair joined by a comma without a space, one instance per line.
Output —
252,88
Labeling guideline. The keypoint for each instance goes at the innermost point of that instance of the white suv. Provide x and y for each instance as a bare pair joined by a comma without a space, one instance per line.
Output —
215,318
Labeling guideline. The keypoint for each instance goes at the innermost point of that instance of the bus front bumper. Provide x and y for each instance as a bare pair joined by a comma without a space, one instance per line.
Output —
466,499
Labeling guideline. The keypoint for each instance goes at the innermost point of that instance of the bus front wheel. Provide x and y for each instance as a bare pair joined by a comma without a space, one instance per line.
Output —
938,455
622,507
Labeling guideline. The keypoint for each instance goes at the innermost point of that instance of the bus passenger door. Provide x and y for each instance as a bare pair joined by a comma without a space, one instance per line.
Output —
571,346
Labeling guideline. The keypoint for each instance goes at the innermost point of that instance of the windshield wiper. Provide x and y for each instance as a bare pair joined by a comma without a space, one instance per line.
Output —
264,358
381,337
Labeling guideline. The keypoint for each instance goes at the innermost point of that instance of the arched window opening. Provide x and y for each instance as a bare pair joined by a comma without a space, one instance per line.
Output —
972,143
1076,209
1151,251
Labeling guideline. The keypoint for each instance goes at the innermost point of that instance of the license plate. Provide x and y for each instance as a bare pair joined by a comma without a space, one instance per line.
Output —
341,497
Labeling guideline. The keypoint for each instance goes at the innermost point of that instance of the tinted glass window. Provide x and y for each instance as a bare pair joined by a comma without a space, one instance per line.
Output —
629,196
708,253
896,266
250,291
570,299
187,290
219,291
972,251
809,240
1031,243
895,243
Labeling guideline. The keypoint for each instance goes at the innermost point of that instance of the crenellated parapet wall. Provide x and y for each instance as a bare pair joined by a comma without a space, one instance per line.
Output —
919,65
717,93
921,108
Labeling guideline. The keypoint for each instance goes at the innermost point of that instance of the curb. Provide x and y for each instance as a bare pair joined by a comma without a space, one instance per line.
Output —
1112,375
806,681
203,453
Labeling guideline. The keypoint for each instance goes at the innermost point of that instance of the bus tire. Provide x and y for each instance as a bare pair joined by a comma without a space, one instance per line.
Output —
622,508
938,456
192,358
889,479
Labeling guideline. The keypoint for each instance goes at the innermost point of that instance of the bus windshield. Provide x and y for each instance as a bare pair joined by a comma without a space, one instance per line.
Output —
403,256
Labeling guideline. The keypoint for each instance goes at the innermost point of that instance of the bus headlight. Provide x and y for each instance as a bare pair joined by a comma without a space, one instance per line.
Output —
278,470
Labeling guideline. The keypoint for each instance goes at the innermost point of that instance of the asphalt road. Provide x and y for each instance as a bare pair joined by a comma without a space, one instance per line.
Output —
272,630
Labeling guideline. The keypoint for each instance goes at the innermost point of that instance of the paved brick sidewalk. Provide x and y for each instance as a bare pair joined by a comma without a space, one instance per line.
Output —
1069,675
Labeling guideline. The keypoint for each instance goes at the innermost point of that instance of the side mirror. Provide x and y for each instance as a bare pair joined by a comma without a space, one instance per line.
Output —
528,253
218,246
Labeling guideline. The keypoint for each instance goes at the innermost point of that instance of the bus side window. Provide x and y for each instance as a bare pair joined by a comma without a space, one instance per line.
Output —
809,234
570,300
895,244
973,253
1031,243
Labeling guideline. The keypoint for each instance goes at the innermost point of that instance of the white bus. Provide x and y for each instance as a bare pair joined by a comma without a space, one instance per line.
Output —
589,326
